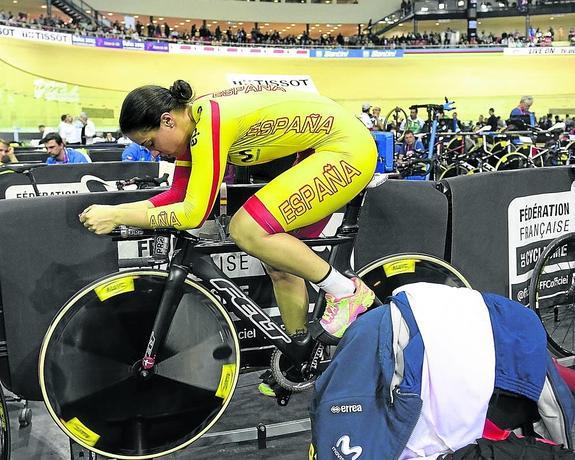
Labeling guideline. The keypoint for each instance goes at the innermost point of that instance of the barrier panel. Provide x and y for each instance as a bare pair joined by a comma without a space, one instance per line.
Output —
74,178
489,226
402,216
501,221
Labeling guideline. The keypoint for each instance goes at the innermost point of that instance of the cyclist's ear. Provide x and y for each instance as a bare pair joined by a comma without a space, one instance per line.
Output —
167,120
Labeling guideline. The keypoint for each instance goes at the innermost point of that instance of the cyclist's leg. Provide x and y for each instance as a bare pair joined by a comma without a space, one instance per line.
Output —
299,197
291,296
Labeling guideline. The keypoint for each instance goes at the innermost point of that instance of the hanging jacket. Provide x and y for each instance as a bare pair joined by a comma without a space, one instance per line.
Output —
369,402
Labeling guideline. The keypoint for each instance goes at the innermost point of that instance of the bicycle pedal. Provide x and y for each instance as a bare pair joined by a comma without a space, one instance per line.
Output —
320,334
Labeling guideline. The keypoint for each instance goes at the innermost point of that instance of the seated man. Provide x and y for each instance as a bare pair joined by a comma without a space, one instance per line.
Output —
434,370
7,152
59,153
137,152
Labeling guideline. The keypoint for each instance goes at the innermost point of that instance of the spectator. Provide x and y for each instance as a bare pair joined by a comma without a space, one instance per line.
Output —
480,123
59,153
546,121
411,147
492,120
365,116
455,125
87,130
137,152
413,123
123,139
66,128
522,110
377,119
109,138
7,153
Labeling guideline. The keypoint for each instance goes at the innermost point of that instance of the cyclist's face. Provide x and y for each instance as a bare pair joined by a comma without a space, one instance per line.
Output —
169,139
409,139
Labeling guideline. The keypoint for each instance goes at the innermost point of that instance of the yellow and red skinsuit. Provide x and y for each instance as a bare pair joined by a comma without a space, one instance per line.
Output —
249,125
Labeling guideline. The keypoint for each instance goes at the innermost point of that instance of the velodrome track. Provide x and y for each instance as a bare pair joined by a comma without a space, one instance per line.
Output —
475,81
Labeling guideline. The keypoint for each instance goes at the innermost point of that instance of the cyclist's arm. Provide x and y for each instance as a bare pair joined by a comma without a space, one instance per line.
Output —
208,164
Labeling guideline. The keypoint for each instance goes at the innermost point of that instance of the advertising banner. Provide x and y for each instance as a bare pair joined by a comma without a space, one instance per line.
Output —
35,35
534,221
293,82
540,51
103,42
156,46
355,53
133,45
83,41
243,51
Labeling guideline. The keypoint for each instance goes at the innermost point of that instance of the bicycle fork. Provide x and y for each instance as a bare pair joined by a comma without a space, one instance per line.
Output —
169,302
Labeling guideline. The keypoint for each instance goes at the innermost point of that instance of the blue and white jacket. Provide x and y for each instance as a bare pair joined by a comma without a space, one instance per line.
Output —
368,402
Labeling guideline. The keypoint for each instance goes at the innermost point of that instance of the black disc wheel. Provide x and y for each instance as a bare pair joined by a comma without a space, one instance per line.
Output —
90,360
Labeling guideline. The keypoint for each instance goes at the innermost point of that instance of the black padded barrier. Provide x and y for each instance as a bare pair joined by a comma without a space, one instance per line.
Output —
483,212
401,216
50,256
87,177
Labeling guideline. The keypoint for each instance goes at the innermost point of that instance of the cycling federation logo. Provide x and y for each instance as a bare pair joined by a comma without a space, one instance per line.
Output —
342,447
346,409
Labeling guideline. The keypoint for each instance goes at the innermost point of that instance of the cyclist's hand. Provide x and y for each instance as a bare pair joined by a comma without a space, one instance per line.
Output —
99,219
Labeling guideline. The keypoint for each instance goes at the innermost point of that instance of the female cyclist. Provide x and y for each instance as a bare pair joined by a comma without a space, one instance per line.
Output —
248,125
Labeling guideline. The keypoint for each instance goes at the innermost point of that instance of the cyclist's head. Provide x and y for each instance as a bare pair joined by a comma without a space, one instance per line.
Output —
156,117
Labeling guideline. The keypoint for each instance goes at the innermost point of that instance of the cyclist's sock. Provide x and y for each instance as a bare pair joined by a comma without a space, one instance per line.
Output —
336,284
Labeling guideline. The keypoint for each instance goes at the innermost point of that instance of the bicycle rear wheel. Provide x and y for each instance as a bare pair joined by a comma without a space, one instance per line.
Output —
384,275
4,428
90,354
552,294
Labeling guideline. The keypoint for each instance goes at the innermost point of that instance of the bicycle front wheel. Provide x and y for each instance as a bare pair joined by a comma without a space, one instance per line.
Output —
552,294
91,353
384,275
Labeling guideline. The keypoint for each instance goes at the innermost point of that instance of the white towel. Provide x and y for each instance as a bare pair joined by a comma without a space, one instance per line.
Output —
458,368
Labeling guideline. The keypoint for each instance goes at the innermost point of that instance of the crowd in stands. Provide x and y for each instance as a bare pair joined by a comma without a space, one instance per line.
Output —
255,36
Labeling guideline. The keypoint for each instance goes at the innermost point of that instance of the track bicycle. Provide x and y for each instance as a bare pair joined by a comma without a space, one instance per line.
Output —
143,362
552,294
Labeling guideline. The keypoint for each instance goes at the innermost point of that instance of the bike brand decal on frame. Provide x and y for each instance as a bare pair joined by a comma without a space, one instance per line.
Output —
247,306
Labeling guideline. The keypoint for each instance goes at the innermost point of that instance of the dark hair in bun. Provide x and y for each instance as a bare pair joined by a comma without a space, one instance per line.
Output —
144,106
182,91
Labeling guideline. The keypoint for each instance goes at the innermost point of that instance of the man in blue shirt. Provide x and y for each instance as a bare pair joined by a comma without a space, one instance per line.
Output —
59,153
411,146
522,110
137,152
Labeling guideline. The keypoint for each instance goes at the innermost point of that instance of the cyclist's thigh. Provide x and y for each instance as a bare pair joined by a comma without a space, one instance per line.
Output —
315,188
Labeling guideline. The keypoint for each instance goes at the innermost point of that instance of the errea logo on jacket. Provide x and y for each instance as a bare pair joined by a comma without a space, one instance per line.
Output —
342,448
346,409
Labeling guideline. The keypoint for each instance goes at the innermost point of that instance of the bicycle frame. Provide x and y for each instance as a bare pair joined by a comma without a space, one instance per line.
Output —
192,256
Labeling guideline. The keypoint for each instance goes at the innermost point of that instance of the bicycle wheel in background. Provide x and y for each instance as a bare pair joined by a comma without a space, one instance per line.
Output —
4,428
384,275
552,294
512,161
92,350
